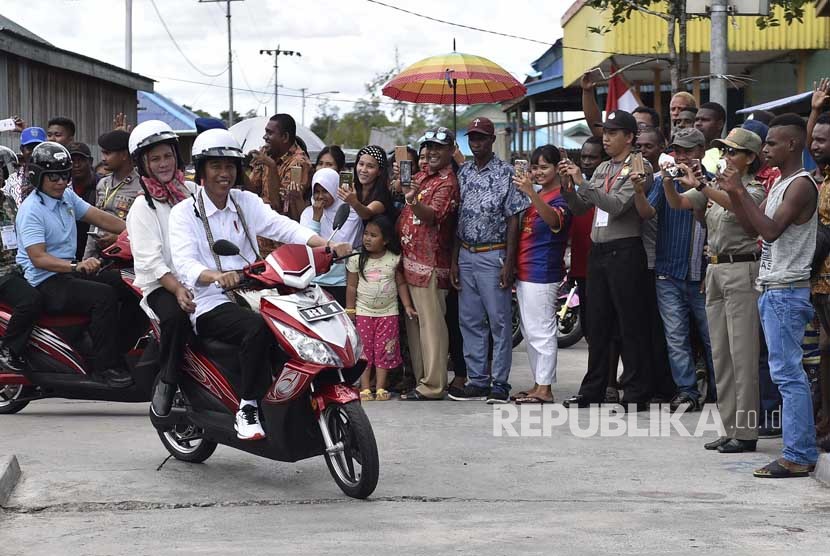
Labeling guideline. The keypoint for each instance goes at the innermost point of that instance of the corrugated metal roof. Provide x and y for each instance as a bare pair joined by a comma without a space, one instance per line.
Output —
154,106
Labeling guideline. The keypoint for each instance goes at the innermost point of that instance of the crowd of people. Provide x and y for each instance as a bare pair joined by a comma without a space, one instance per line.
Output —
719,241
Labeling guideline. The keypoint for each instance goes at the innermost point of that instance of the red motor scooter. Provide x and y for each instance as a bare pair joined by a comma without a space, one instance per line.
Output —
61,354
311,407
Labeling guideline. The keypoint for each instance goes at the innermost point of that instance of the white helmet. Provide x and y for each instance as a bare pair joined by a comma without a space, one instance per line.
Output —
215,143
149,133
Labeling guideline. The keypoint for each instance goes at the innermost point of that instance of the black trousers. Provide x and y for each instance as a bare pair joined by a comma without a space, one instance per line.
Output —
175,330
616,278
242,327
111,304
582,289
459,365
27,304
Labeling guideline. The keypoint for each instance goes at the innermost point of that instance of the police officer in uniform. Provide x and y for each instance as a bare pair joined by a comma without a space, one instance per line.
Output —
116,192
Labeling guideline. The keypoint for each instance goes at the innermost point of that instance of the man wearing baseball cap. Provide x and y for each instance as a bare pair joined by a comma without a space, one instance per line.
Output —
485,254
17,186
616,266
679,270
83,183
115,193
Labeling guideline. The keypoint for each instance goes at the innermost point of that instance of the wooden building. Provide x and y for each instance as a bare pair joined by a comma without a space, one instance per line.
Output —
39,81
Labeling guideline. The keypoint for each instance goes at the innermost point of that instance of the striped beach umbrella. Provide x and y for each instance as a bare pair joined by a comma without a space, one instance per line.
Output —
454,78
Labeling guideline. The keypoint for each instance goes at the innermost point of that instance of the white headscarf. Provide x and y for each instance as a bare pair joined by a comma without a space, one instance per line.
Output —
329,180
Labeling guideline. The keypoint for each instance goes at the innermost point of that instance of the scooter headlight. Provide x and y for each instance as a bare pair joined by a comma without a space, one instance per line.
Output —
308,348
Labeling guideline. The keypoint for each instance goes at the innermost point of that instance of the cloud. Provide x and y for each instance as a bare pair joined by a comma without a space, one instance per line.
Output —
344,43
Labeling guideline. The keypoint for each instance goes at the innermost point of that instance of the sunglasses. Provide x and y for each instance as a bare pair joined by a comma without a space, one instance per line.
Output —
732,151
57,176
440,135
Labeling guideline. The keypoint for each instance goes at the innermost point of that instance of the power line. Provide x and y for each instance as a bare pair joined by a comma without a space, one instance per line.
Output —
186,59
480,30
352,101
248,83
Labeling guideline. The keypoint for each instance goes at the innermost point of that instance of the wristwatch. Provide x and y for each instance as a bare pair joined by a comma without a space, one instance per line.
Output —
73,267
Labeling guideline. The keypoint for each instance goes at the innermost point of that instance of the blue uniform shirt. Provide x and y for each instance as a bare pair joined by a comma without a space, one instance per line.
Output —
43,219
488,199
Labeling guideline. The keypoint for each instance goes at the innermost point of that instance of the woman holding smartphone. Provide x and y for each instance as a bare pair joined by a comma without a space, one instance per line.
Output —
369,196
731,298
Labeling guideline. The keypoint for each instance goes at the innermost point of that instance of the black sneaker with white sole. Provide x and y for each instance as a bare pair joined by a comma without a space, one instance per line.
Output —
498,396
247,423
470,393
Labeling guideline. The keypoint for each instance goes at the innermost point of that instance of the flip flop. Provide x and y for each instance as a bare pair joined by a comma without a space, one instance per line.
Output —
776,470
518,395
415,396
531,400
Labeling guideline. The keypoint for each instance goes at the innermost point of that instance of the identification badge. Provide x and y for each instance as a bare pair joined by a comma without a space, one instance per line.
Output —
601,219
9,237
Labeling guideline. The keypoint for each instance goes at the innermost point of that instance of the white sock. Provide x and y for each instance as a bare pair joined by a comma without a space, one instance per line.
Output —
243,403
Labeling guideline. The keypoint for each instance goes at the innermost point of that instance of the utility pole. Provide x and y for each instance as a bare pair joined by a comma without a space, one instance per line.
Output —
276,53
305,96
718,50
128,37
230,56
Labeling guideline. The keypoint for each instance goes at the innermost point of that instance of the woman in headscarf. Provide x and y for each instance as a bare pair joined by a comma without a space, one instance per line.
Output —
319,217
370,195
154,148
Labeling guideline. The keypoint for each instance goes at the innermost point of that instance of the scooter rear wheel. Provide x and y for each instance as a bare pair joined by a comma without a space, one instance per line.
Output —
184,442
9,394
354,463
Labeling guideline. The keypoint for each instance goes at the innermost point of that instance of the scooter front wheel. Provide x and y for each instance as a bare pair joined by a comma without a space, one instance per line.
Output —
352,453
9,394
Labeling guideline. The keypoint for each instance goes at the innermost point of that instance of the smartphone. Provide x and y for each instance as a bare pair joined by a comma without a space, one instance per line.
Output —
93,231
520,167
401,154
637,165
346,180
405,168
7,124
296,175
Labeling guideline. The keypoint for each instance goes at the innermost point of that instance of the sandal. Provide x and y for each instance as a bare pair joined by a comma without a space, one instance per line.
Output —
518,395
782,469
381,395
531,400
366,395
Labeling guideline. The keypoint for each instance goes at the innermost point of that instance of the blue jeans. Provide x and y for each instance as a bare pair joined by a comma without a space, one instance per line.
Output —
678,300
784,314
480,301
770,398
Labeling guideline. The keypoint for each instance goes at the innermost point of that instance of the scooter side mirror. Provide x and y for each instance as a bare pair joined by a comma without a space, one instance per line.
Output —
225,248
341,216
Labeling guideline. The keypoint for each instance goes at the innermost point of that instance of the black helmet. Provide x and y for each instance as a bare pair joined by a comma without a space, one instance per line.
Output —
8,162
46,158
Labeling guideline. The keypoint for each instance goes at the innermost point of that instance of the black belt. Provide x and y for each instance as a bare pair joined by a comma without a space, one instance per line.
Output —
739,258
608,246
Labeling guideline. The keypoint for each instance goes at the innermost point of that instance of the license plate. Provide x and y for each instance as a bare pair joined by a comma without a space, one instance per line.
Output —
320,312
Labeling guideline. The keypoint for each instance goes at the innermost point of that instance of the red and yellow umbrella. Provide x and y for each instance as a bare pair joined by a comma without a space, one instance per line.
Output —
454,78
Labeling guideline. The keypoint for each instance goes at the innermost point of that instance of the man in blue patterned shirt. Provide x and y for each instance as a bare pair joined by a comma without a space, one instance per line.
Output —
483,264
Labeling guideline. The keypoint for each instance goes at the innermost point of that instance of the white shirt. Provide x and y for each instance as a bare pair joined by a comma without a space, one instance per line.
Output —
148,230
192,254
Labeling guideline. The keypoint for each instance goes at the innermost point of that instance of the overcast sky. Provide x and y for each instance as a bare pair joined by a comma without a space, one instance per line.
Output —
344,43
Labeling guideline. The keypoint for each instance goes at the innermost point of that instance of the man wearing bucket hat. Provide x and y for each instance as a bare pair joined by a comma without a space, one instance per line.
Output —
731,299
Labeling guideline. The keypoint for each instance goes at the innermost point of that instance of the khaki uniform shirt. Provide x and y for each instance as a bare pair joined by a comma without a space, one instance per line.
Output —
616,216
116,199
726,236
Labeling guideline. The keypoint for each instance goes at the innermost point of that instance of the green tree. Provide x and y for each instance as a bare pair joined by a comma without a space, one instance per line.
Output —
223,115
325,121
353,129
674,13
198,112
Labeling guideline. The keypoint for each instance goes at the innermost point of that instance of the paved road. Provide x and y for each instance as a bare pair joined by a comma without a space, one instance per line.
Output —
448,486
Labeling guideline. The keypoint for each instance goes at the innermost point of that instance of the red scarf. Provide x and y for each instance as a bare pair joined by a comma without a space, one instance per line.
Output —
170,193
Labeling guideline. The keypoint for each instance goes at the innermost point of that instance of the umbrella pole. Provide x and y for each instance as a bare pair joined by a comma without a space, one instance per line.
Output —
454,122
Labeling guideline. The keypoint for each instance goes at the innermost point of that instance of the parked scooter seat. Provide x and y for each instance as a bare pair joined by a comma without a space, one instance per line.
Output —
216,349
55,321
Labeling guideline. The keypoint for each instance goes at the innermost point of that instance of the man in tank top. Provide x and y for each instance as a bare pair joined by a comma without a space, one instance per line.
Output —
786,222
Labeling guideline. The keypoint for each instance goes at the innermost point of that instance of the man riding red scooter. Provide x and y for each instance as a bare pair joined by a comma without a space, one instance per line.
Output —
218,211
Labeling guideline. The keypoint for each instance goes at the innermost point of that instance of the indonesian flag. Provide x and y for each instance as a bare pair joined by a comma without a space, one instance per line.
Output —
620,95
